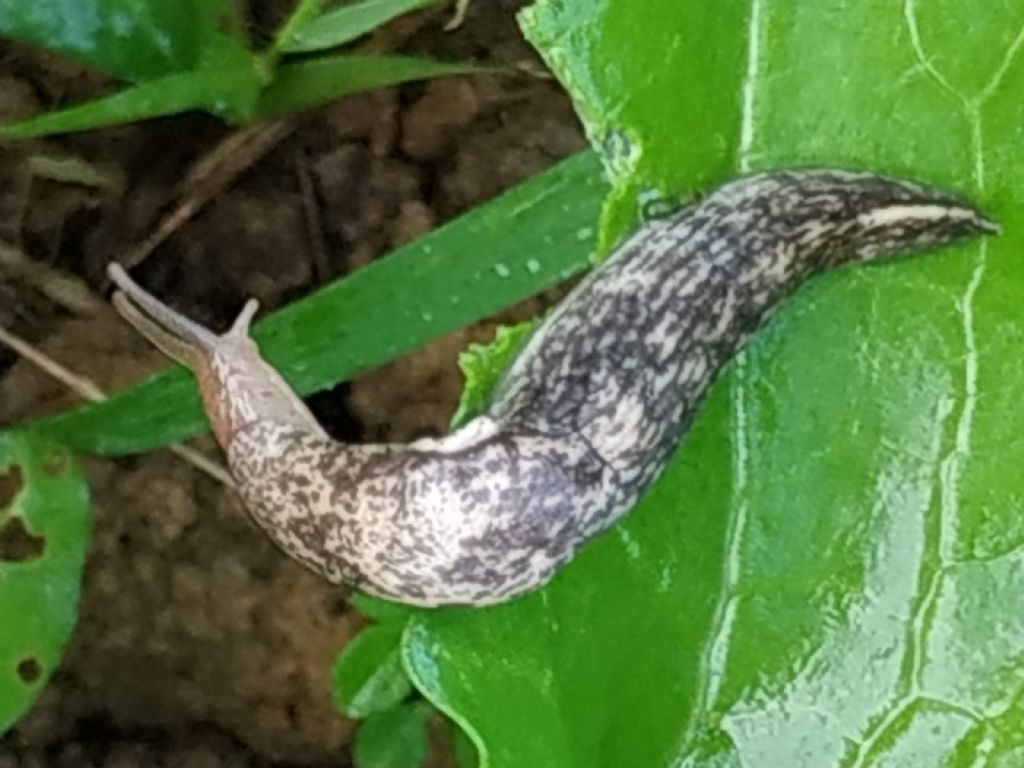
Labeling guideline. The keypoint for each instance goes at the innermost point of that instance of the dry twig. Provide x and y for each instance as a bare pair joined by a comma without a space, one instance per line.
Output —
213,173
64,290
311,214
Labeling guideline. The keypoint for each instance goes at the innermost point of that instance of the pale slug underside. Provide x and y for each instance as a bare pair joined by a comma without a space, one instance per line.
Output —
583,421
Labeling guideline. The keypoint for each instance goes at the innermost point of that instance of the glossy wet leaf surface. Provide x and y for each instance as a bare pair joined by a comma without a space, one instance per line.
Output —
44,531
831,573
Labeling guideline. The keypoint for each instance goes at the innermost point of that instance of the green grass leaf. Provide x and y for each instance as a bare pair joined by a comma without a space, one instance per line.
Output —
44,531
302,14
131,39
528,239
302,84
346,23
236,90
229,90
831,573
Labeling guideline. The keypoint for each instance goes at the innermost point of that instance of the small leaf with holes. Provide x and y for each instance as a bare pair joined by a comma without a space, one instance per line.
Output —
44,530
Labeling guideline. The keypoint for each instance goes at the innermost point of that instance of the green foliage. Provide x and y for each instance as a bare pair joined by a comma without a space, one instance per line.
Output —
369,682
620,62
346,23
368,677
131,39
307,83
482,366
394,738
501,253
831,572
44,531
193,54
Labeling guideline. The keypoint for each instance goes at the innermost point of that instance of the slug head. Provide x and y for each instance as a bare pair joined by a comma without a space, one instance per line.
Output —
237,385
840,216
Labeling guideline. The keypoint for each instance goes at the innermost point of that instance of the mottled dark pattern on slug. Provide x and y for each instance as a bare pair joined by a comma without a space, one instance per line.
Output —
587,416
491,519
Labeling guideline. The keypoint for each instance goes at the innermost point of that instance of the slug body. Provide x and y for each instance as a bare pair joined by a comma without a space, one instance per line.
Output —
584,420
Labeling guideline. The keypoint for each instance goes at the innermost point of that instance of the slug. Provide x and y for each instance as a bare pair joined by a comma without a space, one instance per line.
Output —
583,421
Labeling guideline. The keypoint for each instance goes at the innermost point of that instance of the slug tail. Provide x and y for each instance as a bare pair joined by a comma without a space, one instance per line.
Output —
902,227
831,217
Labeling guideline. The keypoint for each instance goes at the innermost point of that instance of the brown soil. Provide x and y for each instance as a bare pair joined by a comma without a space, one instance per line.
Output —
198,643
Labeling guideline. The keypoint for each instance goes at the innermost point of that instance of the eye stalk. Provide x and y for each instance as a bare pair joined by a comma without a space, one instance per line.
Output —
237,385
174,334
212,358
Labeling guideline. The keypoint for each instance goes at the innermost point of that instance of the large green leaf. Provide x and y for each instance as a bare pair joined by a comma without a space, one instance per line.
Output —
624,64
831,573
132,39
44,530
528,239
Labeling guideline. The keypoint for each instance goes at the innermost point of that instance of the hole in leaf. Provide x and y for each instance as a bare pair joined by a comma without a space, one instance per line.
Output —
29,670
11,483
17,544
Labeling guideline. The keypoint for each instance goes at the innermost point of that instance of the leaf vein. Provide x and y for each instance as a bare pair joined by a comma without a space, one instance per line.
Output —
1004,67
910,16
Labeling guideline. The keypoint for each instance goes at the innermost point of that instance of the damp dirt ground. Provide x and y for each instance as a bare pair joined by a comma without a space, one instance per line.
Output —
198,644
